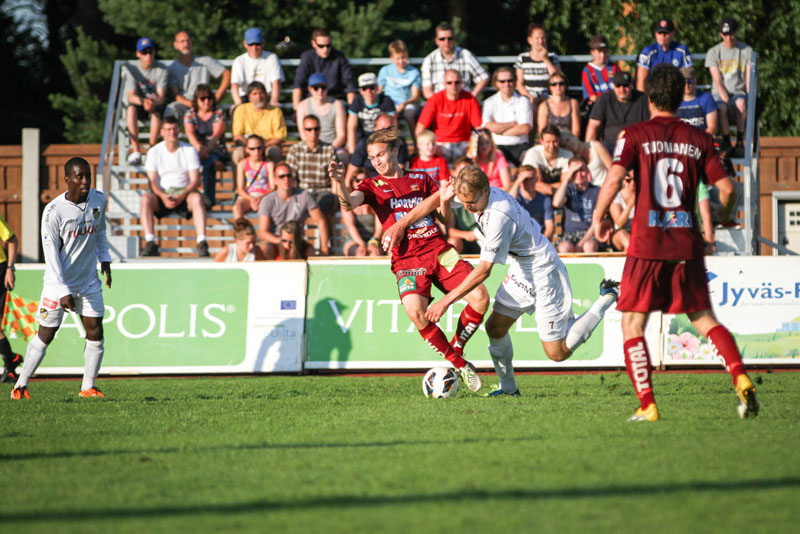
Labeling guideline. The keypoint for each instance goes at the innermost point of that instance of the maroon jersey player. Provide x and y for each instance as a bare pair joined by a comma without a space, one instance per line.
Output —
664,269
424,257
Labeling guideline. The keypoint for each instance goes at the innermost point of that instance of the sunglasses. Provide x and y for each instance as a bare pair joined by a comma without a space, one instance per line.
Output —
445,38
628,180
254,44
509,80
206,97
455,82
259,147
319,87
314,129
322,45
368,88
148,51
556,84
282,176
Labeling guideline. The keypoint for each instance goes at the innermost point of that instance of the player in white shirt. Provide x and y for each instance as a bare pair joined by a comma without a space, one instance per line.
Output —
73,240
537,279
173,168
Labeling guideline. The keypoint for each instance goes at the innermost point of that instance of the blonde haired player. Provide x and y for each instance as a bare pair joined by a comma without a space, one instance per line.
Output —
74,240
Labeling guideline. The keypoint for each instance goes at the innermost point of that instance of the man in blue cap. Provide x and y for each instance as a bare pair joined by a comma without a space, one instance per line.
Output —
145,92
256,65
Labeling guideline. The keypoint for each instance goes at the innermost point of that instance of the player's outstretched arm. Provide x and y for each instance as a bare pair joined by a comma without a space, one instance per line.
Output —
607,193
347,200
394,234
472,280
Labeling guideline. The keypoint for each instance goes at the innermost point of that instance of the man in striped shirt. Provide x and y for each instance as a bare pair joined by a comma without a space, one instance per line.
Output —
448,56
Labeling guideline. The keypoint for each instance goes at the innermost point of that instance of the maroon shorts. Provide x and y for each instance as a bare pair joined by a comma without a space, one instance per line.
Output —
442,267
666,285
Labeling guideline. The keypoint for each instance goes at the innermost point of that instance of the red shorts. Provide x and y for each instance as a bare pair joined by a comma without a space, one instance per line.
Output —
665,285
442,267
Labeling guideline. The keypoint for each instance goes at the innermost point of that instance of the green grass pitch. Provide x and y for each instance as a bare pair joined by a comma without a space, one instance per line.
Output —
371,454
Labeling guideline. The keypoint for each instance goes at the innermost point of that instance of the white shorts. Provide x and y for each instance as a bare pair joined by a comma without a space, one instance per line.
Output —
550,296
51,312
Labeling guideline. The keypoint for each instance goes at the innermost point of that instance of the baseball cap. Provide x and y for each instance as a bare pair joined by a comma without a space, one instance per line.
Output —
728,25
317,79
598,42
367,79
664,25
144,43
253,35
622,78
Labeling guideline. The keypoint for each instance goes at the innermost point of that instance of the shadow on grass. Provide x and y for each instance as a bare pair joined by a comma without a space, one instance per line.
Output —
357,501
251,446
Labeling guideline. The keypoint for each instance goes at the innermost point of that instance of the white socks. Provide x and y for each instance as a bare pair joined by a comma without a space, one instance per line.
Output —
93,356
581,328
502,352
34,355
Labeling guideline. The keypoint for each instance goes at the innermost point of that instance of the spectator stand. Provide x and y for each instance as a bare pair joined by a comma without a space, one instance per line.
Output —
124,184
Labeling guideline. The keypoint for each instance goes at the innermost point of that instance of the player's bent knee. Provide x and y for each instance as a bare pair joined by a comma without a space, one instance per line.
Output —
46,334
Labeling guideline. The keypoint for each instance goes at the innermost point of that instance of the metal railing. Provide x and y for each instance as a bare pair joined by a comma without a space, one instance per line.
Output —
115,138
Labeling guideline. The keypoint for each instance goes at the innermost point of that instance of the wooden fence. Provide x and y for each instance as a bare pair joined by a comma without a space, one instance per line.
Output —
779,166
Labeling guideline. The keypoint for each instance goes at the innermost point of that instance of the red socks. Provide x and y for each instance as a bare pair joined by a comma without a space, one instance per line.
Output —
637,361
434,336
722,341
468,323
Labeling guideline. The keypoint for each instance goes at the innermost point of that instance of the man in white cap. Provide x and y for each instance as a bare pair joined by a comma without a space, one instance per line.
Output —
365,108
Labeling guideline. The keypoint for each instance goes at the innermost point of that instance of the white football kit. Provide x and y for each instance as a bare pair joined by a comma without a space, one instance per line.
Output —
537,278
74,240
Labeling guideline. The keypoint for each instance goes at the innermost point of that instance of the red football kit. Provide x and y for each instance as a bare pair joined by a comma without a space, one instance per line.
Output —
424,256
664,269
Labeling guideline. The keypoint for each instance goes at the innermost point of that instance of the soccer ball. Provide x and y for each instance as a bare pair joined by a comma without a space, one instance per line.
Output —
440,383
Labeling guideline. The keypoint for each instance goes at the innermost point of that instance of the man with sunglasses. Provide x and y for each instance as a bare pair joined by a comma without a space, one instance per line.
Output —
664,50
146,90
615,110
507,114
289,203
448,56
698,107
332,63
452,114
310,159
256,65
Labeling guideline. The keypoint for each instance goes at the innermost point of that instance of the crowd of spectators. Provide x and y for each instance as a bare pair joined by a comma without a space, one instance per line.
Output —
527,135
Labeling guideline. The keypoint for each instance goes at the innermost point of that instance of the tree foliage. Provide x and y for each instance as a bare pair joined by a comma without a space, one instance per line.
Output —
88,64
766,25
363,28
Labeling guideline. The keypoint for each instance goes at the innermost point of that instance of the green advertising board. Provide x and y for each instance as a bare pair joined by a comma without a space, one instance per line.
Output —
156,318
353,314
